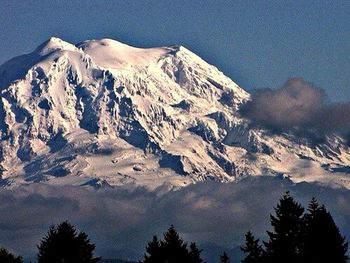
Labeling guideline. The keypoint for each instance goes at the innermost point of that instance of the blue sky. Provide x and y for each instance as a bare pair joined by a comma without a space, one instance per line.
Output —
257,43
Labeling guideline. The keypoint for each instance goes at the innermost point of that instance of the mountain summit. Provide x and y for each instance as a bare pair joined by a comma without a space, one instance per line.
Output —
105,113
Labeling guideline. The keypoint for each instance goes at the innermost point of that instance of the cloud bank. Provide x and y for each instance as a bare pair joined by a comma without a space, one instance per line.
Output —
300,107
120,222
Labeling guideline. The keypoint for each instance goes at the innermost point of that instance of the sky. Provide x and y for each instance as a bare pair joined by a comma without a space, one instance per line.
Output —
259,44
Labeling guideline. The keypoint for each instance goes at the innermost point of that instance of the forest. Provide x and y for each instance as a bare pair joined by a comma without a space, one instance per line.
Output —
297,235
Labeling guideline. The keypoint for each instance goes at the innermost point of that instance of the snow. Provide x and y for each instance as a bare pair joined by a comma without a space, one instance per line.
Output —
111,54
53,44
104,113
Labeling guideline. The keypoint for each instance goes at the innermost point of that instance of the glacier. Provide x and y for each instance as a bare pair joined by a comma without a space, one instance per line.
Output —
102,113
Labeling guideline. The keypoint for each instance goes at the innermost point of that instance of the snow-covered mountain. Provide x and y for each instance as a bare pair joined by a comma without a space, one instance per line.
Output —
105,113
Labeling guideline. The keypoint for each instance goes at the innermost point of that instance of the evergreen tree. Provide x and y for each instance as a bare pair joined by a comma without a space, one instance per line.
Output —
64,244
172,249
285,239
322,239
195,254
153,252
224,258
7,257
252,249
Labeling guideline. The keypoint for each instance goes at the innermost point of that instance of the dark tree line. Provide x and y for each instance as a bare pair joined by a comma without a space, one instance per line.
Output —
7,257
298,236
172,249
64,244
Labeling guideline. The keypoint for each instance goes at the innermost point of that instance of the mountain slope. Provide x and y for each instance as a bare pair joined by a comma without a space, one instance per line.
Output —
104,113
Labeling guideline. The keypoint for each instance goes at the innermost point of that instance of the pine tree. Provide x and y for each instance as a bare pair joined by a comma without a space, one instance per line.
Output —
172,249
195,254
153,252
7,257
224,258
285,239
322,239
64,244
252,249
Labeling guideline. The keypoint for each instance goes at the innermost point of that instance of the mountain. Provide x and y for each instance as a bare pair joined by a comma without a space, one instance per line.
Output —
102,113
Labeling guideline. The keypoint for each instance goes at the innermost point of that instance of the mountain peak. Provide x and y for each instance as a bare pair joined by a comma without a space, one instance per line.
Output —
112,54
103,112
53,44
107,42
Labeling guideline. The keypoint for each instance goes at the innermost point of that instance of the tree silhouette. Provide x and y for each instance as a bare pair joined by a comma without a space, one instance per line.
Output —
322,239
252,249
64,244
224,258
285,239
172,249
195,254
153,252
310,237
7,257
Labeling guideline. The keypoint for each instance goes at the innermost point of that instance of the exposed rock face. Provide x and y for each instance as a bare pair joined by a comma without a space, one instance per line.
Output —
102,112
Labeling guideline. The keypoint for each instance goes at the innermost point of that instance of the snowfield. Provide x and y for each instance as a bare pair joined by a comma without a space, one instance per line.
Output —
102,113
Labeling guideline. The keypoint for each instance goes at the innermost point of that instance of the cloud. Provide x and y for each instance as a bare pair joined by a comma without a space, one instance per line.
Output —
300,107
120,222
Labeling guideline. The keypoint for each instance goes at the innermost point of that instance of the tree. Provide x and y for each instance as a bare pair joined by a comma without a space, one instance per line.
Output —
64,244
322,239
195,254
285,239
172,249
153,252
224,258
299,237
7,257
252,249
